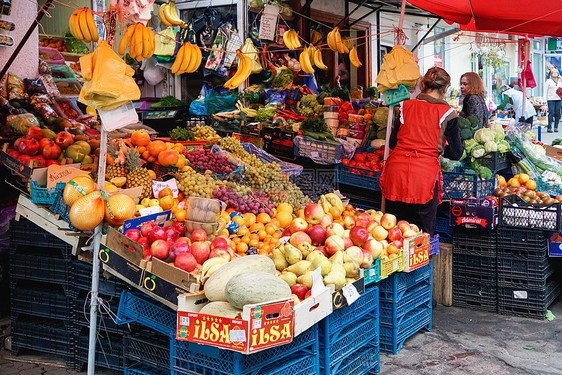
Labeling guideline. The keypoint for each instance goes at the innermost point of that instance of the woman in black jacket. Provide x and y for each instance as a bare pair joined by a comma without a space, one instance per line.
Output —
474,102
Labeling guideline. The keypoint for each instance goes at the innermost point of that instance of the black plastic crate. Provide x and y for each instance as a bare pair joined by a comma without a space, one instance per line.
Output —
41,300
26,234
473,268
495,160
251,130
473,241
527,274
279,142
193,120
109,351
466,183
28,264
147,348
475,295
106,320
522,243
528,303
515,212
82,280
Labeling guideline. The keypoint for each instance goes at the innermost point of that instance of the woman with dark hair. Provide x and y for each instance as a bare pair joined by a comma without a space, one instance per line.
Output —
474,102
426,128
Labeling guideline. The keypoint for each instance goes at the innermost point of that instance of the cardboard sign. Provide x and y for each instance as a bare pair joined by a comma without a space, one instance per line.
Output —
15,165
158,186
61,173
39,175
122,257
339,299
268,22
416,252
261,326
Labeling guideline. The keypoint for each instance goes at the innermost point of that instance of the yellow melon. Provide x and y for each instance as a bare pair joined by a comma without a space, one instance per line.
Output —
122,207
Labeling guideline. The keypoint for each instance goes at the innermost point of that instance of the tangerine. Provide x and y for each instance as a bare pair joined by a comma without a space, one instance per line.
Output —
118,181
239,220
335,212
242,247
285,207
152,174
270,228
164,192
243,231
263,218
284,218
250,218
180,215
254,236
256,227
531,184
261,234
254,242
245,238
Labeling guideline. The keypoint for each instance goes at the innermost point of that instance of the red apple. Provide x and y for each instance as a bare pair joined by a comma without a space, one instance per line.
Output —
144,242
299,290
372,224
388,221
322,249
379,233
160,249
182,239
219,243
147,227
313,213
349,222
358,235
171,232
180,247
186,262
367,259
364,215
201,250
308,294
334,244
286,233
415,228
198,235
325,221
147,254
298,225
220,253
398,244
335,229
317,234
133,234
180,227
394,234
298,238
374,247
157,233
376,216
403,225
347,243
362,222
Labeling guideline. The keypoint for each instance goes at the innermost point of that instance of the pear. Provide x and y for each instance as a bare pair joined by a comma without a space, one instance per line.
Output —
322,262
279,260
305,248
351,269
338,268
335,278
306,279
300,267
315,254
292,254
337,257
289,277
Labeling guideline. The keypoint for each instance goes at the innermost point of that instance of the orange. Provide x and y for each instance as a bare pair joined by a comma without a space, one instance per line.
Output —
285,207
275,222
229,210
164,192
225,233
267,239
523,178
180,215
270,228
274,242
513,182
152,174
261,234
243,231
245,238
166,202
284,218
501,180
266,248
256,227
242,247
118,181
145,155
263,218
254,242
335,212
276,235
349,207
250,218
254,236
263,251
236,240
531,184
239,220
141,149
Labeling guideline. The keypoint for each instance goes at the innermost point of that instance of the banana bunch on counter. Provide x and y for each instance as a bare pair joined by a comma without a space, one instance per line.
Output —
330,200
82,26
210,266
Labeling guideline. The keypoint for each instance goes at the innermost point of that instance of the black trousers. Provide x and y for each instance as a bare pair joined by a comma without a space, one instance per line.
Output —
423,215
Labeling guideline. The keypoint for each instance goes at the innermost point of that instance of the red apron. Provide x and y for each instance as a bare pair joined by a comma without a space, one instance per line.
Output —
412,168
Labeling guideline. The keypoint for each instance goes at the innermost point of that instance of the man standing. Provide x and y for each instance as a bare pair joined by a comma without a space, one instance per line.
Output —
515,98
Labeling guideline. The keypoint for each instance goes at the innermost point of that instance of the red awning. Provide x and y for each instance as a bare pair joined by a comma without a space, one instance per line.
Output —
542,17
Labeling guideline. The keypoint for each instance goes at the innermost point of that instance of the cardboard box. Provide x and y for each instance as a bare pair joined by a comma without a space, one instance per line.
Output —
553,151
16,166
555,244
261,326
474,213
339,298
122,257
416,252
313,309
167,281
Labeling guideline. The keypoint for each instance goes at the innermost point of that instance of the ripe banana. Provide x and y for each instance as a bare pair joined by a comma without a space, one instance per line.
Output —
315,36
287,40
335,201
172,16
323,202
162,15
146,44
186,57
295,39
196,57
125,39
291,39
244,70
332,40
354,58
83,23
210,263
74,25
304,60
91,24
318,60
178,62
173,11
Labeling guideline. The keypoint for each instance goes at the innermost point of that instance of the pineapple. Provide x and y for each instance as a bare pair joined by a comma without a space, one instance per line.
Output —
119,166
138,176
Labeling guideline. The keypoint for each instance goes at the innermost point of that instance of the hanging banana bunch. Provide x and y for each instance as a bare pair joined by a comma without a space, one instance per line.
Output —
354,58
82,26
188,59
291,39
244,70
141,42
169,16
315,36
306,63
335,43
315,56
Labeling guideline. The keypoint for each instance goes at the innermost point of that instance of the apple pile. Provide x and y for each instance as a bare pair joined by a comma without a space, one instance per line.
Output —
339,249
170,245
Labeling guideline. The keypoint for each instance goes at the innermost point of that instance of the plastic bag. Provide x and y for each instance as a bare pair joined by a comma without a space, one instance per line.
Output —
152,72
252,52
165,42
44,68
33,86
276,97
218,103
49,85
16,88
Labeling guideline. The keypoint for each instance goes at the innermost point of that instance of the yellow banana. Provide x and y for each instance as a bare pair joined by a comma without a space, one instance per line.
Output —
335,201
171,14
304,60
91,25
242,73
83,23
179,60
73,25
332,40
311,51
196,57
286,39
318,60
125,39
162,15
241,63
210,263
315,36
174,13
135,46
186,58
146,44
323,202
295,39
354,58
337,37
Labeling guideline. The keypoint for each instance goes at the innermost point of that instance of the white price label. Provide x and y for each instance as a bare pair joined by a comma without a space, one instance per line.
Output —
371,272
350,293
256,324
181,205
317,282
284,239
237,335
184,321
158,186
520,294
395,265
149,210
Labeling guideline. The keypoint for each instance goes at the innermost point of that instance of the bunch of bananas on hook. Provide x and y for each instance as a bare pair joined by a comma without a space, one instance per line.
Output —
188,59
354,58
291,39
335,43
169,16
82,26
244,70
140,40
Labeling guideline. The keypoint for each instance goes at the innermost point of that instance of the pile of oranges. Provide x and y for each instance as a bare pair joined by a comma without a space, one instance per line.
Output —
519,180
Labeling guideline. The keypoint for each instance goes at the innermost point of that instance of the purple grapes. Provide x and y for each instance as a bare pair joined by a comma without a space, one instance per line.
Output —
205,160
254,202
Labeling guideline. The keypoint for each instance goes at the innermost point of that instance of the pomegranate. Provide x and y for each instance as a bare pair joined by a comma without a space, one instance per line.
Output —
52,162
14,153
43,142
29,146
51,150
34,132
63,139
25,159
38,161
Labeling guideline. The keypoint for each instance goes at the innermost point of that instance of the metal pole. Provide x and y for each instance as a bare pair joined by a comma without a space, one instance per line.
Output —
25,37
523,80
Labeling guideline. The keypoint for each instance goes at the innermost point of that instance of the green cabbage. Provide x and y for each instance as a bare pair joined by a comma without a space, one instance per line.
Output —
484,135
490,146
484,172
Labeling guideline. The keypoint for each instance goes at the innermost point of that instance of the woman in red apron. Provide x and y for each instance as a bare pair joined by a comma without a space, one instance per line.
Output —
428,127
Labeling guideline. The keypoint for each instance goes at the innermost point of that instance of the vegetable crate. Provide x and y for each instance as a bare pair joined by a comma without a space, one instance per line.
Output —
474,268
444,229
109,351
32,264
147,349
474,295
475,241
41,300
548,187
465,183
389,266
323,152
495,161
299,357
526,274
434,245
528,303
140,369
515,212
82,281
393,310
40,195
342,337
145,311
523,244
60,208
279,142
251,130
25,235
359,177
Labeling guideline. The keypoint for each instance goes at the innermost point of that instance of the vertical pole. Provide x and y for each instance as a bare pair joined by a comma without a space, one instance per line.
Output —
526,51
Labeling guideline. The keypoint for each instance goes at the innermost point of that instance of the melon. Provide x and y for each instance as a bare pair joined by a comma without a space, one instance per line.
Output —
122,207
220,308
255,287
87,212
77,188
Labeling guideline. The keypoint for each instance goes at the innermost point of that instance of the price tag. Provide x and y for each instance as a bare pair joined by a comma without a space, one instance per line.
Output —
371,272
317,282
268,22
350,293
119,117
520,294
158,186
237,335
256,324
284,239
181,205
149,210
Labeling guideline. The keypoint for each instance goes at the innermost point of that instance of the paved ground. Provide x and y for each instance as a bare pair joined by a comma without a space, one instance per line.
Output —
462,342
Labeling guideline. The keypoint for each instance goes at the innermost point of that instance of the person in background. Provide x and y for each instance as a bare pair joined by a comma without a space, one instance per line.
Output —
553,83
474,102
515,98
426,128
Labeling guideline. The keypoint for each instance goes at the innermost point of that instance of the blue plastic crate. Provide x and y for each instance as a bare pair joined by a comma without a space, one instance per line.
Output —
434,245
191,358
359,177
143,310
366,305
392,310
373,273
148,349
40,195
24,234
548,187
392,338
320,152
60,208
361,206
46,300
444,228
393,287
141,369
460,184
365,360
30,265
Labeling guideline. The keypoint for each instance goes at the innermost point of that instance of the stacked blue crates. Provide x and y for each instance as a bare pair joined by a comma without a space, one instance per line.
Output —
405,306
348,347
147,352
475,273
527,281
41,305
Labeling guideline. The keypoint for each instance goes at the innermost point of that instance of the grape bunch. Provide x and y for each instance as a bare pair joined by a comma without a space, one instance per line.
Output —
204,133
196,184
254,202
205,160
